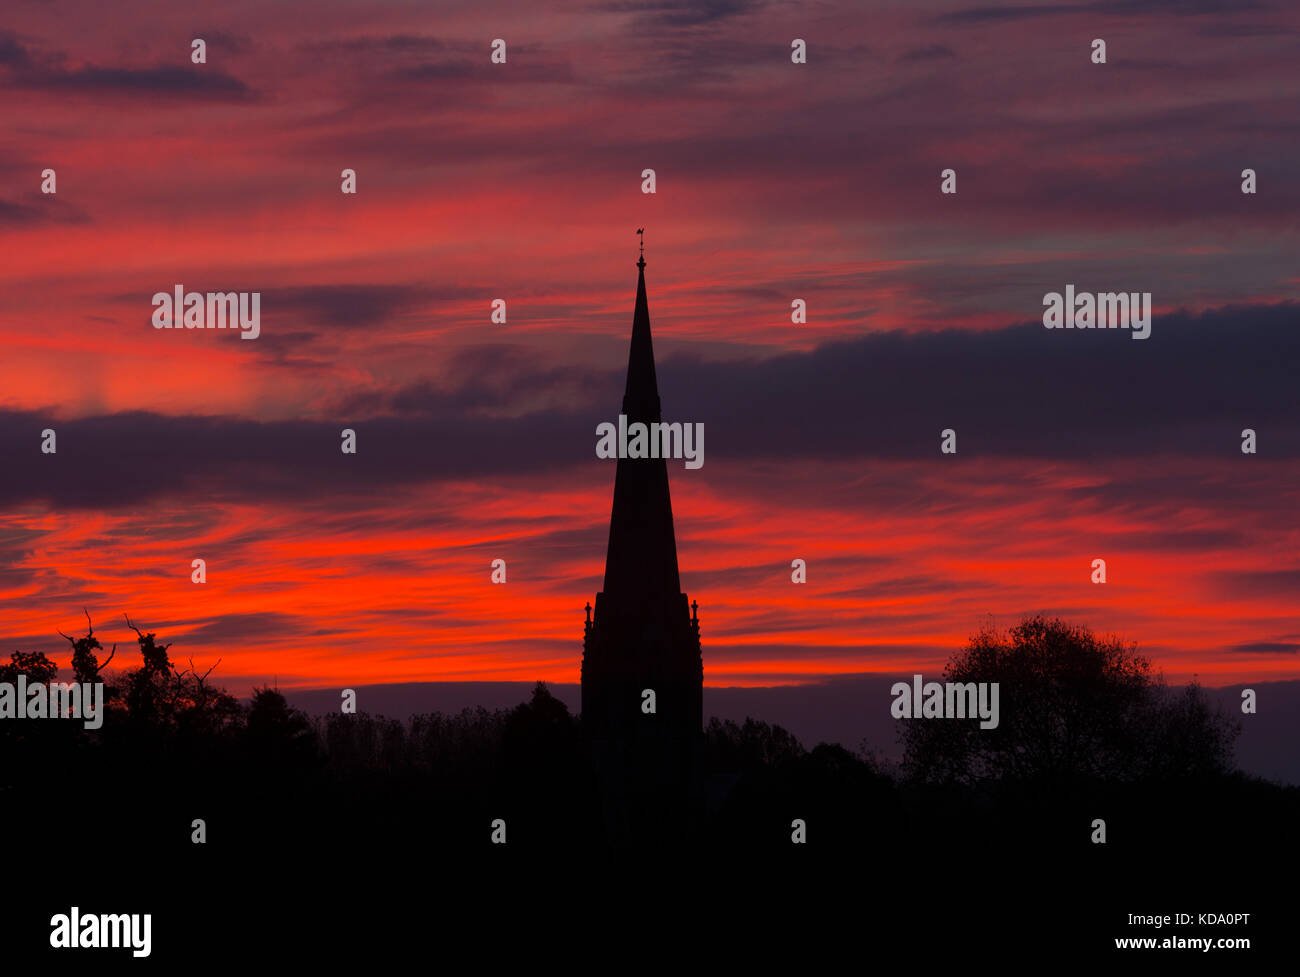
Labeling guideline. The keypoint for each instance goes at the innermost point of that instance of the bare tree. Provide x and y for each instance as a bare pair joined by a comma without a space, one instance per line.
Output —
84,662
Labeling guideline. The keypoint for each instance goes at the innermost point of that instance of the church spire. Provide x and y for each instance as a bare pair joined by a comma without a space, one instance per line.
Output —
641,635
641,394
642,556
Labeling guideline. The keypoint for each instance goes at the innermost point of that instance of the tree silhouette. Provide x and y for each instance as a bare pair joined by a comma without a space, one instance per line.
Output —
34,665
751,746
540,732
85,665
144,695
1074,708
1189,738
540,751
276,733
1081,718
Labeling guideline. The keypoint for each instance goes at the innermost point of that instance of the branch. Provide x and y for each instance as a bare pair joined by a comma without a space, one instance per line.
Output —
132,626
100,668
200,679
90,628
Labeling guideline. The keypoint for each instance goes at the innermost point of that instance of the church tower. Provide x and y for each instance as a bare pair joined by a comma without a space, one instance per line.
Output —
643,635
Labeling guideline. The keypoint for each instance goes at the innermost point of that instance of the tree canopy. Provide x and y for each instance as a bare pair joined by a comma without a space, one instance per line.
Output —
1075,708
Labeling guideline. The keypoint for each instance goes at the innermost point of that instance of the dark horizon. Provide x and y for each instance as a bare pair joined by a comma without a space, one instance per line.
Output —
844,709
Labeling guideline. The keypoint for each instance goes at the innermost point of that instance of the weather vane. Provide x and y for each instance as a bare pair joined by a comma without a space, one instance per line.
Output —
641,231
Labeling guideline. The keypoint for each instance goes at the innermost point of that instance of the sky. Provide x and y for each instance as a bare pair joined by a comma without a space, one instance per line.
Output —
775,181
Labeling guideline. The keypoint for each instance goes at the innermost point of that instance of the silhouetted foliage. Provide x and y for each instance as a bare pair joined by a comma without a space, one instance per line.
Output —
1189,738
34,665
85,664
540,735
1074,709
146,687
278,734
752,745
176,746
24,746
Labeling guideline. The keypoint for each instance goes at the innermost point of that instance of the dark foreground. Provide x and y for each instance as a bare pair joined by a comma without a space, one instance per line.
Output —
306,870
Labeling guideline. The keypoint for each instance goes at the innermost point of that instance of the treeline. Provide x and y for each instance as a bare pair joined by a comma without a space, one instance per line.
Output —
1103,739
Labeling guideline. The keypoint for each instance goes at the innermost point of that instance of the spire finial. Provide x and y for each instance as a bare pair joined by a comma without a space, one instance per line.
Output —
641,262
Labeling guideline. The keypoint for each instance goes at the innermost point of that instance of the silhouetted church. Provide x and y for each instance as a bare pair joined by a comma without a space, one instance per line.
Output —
643,635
